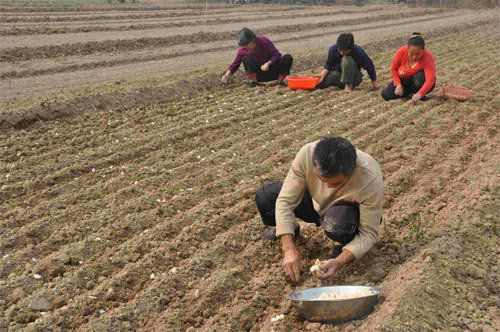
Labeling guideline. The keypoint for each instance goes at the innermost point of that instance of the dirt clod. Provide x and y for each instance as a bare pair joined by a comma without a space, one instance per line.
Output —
16,295
90,285
110,294
313,326
405,155
40,304
52,268
59,301
248,193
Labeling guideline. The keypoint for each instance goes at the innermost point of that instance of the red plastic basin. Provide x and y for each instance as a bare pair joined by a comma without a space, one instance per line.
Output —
302,82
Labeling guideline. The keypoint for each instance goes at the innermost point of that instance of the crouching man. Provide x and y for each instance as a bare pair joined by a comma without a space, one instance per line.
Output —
336,187
343,65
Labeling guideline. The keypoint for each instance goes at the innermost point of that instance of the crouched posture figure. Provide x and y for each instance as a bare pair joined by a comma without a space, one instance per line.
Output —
262,61
334,186
343,65
413,72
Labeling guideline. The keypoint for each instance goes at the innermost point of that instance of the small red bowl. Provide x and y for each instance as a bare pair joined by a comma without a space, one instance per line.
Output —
456,93
302,82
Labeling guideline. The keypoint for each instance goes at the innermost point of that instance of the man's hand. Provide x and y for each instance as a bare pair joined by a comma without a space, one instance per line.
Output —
399,90
416,98
375,85
328,269
291,259
265,67
226,76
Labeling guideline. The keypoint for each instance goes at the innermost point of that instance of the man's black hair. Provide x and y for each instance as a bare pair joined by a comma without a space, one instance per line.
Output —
245,36
416,39
334,156
345,41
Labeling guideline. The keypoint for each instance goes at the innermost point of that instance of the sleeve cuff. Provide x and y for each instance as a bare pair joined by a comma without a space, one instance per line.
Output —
356,252
285,229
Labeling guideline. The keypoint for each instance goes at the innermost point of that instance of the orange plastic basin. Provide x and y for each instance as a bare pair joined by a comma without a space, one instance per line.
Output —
302,82
456,93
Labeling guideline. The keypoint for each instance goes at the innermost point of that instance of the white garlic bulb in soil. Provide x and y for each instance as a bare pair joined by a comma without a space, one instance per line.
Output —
316,266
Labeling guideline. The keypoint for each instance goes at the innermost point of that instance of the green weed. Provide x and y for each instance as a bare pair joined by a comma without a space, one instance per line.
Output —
417,233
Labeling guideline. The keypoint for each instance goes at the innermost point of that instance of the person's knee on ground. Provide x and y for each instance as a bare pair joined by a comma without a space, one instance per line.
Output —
285,65
341,224
348,66
323,85
251,67
419,80
340,238
332,79
350,71
265,199
389,92
249,62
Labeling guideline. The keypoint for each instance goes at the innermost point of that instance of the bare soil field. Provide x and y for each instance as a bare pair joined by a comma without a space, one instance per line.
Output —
39,60
183,33
126,199
168,22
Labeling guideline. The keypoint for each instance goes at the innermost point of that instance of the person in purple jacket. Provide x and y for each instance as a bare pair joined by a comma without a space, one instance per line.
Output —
344,63
261,59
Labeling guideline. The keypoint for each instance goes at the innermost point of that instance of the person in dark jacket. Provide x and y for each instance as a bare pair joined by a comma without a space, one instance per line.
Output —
343,65
262,61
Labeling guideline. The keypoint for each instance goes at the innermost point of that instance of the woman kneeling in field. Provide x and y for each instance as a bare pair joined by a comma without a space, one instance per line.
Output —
413,71
261,59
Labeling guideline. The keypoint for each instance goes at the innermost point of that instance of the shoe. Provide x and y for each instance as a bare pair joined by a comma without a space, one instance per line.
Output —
282,83
253,84
270,234
337,250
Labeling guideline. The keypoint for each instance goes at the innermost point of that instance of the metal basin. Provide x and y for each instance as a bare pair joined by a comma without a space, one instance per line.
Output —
354,302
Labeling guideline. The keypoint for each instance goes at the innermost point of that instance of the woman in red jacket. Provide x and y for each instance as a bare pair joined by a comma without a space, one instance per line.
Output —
413,71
